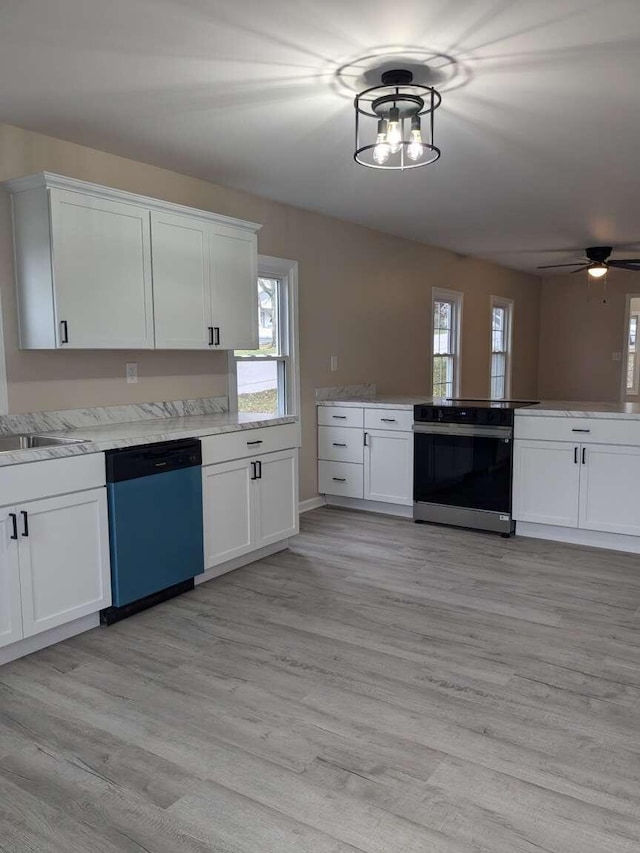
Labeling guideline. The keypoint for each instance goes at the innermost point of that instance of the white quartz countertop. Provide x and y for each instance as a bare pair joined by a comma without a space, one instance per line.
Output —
114,435
572,409
379,402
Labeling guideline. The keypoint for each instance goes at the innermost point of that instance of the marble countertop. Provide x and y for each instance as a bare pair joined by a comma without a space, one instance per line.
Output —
379,402
110,436
572,409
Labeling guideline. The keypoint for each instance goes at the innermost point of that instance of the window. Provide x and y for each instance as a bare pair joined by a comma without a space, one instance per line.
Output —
447,312
632,354
501,315
265,379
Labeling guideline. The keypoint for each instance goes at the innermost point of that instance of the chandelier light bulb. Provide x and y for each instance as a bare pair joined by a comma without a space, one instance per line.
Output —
382,150
598,271
415,149
394,132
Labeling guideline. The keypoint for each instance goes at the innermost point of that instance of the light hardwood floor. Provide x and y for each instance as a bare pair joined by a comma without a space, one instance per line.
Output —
381,687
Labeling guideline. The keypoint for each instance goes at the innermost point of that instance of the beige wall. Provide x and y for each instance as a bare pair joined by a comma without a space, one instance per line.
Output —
578,336
364,296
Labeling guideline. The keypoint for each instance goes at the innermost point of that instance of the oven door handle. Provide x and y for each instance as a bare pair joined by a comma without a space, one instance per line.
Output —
464,430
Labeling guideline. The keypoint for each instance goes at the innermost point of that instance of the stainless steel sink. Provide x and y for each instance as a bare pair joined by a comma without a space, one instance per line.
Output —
24,441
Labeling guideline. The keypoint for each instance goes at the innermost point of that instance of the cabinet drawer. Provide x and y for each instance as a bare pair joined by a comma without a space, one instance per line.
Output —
340,416
400,419
580,430
340,444
34,480
248,442
341,478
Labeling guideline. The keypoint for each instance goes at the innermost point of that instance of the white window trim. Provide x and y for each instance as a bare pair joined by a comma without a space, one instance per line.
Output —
287,272
624,394
508,305
457,297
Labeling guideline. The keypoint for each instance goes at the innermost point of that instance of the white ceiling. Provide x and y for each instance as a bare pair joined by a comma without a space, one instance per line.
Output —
539,127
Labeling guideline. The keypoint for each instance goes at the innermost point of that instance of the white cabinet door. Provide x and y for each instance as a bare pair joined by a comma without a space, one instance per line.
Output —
181,286
228,511
388,467
276,496
546,482
609,483
10,606
234,280
64,559
102,272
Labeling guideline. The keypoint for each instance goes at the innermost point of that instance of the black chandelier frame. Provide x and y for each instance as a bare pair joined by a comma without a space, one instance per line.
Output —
413,101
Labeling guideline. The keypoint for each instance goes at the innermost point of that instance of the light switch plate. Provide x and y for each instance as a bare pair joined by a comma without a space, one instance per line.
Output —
132,372
616,356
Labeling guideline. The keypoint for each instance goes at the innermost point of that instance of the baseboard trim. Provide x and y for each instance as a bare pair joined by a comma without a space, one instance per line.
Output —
379,507
49,638
575,536
239,562
312,503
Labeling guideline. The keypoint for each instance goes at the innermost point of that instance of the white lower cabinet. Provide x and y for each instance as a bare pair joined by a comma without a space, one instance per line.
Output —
388,467
10,600
54,563
585,486
228,511
249,504
64,559
546,477
609,481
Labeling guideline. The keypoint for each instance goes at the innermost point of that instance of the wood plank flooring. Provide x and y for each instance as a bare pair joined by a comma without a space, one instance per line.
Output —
381,687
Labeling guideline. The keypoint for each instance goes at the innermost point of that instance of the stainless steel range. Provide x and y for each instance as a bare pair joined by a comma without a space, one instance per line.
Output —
463,463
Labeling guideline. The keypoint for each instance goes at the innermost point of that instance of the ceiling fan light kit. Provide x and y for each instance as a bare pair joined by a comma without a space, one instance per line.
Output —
597,263
394,124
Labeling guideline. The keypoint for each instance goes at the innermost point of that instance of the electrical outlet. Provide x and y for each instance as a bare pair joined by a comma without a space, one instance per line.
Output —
132,372
334,363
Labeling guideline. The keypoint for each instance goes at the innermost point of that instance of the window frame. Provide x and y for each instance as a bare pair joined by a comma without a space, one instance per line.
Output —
456,299
507,305
286,271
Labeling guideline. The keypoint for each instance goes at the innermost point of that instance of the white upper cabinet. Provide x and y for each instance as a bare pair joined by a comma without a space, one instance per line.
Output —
101,252
234,273
181,286
98,268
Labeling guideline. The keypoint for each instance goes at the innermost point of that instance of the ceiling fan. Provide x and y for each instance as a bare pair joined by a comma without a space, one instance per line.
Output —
597,263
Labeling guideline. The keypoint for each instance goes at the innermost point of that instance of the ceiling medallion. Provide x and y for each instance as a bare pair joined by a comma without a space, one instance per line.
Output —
389,123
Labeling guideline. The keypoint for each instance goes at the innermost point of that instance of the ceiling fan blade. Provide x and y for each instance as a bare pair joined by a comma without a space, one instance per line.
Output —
585,267
626,264
555,266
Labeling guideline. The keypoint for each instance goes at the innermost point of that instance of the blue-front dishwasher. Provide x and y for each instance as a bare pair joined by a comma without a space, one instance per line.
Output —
154,494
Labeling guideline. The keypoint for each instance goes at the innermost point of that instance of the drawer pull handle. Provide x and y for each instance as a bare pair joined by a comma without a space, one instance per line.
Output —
254,442
388,420
340,479
580,430
338,444
339,417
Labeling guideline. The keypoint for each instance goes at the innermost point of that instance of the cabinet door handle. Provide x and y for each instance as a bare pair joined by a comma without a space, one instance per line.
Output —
339,444
14,522
388,420
339,479
339,417
259,466
580,430
216,329
575,455
253,471
249,443
584,455
25,523
365,440
210,335
64,332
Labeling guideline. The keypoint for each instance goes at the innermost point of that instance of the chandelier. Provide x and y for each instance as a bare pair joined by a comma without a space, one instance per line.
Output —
390,132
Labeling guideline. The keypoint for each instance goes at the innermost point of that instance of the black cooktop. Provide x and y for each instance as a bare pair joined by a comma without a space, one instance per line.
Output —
478,403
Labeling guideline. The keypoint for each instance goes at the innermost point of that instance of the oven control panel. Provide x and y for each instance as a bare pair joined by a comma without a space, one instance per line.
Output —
478,415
